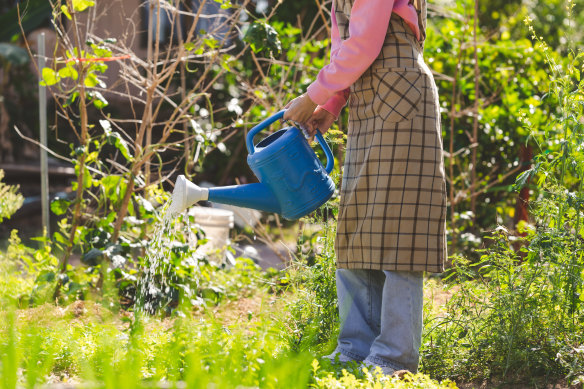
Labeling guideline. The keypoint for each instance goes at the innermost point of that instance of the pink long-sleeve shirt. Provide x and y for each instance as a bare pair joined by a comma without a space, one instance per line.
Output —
351,57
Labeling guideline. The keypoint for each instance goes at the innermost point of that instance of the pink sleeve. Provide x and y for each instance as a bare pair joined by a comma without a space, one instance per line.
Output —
336,102
367,31
335,36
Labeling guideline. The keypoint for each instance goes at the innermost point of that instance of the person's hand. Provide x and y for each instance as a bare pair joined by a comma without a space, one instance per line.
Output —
300,109
320,120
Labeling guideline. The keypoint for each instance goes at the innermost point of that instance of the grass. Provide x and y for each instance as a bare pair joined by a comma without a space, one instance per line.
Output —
240,340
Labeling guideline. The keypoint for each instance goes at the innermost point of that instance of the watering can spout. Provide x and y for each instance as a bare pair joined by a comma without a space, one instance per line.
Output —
186,194
256,196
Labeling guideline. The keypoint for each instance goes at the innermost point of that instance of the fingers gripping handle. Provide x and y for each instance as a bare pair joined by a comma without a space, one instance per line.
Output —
330,160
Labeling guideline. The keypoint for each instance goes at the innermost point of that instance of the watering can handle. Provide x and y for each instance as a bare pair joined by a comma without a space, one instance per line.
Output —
262,126
330,160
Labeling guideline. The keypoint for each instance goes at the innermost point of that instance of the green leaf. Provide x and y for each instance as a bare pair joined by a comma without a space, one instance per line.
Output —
101,52
99,101
59,206
122,145
68,72
263,37
45,276
91,257
189,46
522,179
87,178
114,187
116,139
111,184
226,60
227,5
82,5
211,43
50,77
65,11
91,80
57,236
37,13
14,54
71,99
99,67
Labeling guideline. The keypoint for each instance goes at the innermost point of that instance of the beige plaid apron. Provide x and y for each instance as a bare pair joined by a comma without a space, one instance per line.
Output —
393,194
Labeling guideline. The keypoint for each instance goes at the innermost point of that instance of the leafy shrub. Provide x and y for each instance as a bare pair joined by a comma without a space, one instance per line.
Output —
512,313
519,312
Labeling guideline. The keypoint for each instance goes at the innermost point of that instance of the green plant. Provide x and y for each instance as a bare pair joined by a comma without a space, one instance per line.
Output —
313,317
517,313
29,274
512,313
374,379
10,199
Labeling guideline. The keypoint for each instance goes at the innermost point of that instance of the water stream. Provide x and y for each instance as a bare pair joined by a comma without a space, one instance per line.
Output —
172,240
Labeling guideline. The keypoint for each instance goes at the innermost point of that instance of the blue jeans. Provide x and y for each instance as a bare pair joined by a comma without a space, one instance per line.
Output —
381,317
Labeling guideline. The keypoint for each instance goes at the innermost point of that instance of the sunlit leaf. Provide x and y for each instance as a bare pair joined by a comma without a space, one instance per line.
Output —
82,5
91,80
101,52
68,72
65,11
59,206
50,77
116,139
113,186
99,101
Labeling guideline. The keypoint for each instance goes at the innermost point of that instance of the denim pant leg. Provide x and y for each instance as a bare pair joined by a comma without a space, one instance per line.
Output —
359,293
398,344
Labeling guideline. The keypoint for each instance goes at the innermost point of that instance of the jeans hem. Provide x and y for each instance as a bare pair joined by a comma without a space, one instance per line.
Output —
384,363
349,354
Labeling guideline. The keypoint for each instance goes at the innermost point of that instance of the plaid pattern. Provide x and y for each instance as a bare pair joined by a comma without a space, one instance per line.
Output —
393,194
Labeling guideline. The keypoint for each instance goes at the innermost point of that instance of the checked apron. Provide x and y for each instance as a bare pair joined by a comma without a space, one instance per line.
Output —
393,193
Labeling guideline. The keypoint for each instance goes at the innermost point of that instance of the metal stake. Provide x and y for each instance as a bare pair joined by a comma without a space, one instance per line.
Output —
43,132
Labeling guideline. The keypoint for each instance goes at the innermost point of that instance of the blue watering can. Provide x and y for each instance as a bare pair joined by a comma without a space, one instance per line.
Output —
293,181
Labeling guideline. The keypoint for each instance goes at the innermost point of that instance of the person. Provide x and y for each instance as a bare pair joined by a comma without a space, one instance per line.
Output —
391,224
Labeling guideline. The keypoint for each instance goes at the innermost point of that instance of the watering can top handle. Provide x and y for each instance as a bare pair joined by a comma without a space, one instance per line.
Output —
330,160
262,126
